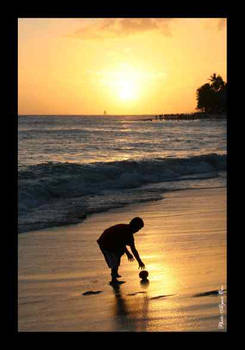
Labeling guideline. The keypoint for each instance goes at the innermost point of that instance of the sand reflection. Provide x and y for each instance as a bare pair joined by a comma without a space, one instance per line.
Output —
131,311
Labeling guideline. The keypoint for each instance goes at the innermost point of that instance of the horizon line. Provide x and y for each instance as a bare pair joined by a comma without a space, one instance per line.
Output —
107,115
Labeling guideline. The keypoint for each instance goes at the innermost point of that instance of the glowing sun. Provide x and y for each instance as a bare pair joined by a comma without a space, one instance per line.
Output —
124,82
127,90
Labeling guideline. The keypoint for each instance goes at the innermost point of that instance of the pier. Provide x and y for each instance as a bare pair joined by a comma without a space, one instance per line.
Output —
191,116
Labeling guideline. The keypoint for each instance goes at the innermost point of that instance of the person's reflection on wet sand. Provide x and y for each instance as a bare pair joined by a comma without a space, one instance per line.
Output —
122,314
131,316
121,305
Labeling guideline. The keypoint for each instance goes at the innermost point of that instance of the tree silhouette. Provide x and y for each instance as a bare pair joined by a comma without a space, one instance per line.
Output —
217,83
211,97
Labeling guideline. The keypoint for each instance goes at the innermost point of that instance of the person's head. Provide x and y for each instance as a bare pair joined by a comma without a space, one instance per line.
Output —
136,224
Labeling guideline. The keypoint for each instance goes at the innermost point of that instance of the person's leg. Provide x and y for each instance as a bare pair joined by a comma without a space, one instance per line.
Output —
114,268
114,273
113,262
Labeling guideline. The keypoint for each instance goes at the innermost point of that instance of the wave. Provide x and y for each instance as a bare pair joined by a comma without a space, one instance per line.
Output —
86,188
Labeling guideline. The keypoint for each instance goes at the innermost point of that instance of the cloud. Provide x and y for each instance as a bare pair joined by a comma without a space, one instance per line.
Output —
122,27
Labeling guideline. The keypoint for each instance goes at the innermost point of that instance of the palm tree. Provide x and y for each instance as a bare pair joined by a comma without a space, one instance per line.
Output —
211,98
206,98
217,83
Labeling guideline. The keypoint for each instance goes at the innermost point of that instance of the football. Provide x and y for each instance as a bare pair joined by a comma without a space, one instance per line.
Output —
143,274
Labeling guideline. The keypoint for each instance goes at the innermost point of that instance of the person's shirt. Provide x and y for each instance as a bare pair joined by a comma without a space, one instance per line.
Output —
115,238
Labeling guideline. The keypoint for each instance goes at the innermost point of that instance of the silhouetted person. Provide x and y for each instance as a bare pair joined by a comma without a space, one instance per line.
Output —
113,242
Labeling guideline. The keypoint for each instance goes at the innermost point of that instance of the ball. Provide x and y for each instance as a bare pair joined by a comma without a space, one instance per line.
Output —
143,274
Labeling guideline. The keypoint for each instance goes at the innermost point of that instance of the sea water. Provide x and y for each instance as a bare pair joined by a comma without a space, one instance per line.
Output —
72,166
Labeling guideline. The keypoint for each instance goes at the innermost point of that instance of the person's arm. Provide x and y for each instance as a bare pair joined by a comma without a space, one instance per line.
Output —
136,255
129,255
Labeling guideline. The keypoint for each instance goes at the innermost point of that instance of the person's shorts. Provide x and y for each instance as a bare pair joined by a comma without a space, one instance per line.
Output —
112,259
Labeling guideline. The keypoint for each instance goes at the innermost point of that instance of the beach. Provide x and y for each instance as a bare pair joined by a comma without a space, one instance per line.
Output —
122,118
63,278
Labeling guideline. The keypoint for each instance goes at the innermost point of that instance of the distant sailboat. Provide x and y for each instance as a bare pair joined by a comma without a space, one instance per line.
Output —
105,113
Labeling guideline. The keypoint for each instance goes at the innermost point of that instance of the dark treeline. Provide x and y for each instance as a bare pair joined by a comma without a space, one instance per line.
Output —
211,97
211,102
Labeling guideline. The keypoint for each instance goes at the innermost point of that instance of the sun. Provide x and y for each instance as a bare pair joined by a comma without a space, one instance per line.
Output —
127,90
123,82
127,84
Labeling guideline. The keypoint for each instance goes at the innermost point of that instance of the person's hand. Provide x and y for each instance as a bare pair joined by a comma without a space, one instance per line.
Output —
141,265
130,257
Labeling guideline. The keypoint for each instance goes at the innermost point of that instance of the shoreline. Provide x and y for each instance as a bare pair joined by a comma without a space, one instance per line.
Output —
79,220
183,246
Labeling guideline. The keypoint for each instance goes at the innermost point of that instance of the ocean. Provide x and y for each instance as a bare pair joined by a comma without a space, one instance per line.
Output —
73,166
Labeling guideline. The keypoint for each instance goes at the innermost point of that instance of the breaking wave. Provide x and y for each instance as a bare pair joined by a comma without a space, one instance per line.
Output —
56,193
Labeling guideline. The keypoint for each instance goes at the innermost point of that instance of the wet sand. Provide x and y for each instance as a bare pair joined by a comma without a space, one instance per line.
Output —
63,278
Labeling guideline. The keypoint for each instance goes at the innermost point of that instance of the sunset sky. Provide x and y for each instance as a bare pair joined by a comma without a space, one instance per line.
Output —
121,65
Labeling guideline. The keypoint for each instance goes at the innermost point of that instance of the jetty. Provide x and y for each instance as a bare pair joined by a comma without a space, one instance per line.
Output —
190,116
